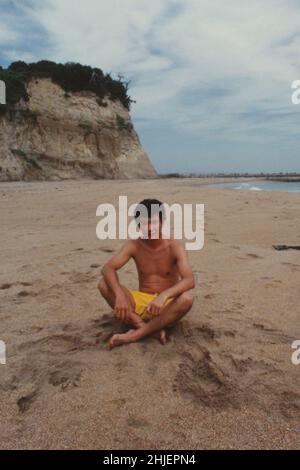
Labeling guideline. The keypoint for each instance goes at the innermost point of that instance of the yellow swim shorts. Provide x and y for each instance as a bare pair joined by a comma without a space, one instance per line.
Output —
142,300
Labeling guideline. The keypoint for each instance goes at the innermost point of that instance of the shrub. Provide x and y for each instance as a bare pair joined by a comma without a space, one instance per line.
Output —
121,123
70,76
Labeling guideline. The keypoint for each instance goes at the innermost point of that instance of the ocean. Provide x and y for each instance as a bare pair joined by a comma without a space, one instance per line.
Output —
292,187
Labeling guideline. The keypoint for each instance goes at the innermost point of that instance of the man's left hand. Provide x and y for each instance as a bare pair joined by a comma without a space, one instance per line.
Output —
155,307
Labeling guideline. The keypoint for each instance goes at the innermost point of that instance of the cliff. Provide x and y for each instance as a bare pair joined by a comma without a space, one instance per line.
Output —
55,134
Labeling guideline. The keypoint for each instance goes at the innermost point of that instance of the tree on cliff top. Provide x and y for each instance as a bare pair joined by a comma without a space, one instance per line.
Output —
70,76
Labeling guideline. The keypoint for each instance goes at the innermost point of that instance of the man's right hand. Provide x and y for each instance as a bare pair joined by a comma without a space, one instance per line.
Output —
123,307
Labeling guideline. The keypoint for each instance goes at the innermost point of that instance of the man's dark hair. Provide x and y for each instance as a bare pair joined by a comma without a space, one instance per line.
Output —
157,208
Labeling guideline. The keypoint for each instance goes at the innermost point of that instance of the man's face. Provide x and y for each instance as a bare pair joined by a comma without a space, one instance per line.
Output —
151,227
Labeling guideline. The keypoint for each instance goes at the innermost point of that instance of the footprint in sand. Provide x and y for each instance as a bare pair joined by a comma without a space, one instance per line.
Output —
260,326
230,333
79,277
5,286
66,375
272,284
25,402
206,332
29,329
8,285
238,305
119,401
209,296
137,422
54,344
226,310
36,329
106,250
275,335
68,327
25,293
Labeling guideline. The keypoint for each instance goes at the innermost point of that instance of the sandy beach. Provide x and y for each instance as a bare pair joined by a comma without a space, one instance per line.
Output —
224,380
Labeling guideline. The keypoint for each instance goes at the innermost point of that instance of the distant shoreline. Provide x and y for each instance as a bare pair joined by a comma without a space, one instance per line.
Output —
286,177
204,179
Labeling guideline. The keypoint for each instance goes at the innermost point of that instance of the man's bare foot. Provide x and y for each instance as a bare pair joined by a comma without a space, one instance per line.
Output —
119,339
129,337
161,336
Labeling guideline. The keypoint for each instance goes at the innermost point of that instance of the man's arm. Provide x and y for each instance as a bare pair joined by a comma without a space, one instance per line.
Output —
117,261
109,272
186,282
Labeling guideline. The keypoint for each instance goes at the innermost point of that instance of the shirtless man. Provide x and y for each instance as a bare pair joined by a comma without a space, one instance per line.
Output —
164,275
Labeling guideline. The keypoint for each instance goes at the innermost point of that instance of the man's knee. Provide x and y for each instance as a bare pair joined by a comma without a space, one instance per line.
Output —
185,301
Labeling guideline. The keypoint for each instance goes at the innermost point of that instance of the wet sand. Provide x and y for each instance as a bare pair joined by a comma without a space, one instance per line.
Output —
224,380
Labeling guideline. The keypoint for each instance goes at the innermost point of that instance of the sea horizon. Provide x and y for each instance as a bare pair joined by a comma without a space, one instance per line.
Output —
260,185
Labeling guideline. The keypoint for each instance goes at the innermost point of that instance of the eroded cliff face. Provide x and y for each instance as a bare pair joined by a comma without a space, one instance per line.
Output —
58,135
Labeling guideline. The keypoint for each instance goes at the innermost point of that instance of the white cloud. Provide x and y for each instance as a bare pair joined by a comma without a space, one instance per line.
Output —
198,65
7,34
13,55
110,34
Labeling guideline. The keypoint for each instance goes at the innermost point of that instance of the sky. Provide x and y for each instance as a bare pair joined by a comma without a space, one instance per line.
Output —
212,83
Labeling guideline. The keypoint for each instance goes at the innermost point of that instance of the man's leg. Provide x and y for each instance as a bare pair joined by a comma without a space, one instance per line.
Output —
171,313
110,298
135,320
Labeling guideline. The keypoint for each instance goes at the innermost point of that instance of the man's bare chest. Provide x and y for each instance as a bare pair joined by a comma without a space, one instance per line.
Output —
162,263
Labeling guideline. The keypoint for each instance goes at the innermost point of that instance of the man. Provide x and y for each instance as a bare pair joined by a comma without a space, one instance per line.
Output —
164,276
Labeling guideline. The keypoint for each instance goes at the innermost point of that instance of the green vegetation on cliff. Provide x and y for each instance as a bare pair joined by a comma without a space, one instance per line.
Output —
70,76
